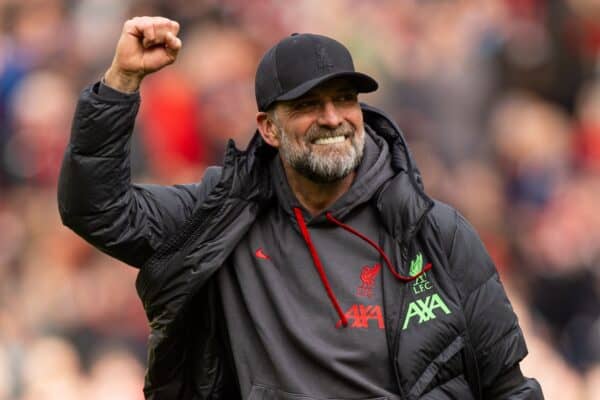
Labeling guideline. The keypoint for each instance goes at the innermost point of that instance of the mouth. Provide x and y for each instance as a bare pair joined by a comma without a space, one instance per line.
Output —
330,140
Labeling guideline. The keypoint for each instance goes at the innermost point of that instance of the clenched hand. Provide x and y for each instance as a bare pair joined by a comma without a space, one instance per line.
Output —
146,45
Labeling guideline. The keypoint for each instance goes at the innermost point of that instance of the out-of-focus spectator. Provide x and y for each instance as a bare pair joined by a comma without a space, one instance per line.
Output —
531,140
219,64
95,38
558,379
443,83
583,30
41,128
563,252
171,135
51,370
115,375
483,202
567,232
587,135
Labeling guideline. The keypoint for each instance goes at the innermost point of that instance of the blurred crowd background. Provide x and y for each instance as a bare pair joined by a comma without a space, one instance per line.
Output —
499,99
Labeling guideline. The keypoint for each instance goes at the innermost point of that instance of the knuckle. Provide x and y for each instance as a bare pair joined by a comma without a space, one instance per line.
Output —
129,23
149,30
146,22
161,21
141,21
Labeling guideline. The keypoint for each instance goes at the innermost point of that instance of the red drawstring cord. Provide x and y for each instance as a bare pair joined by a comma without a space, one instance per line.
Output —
383,255
321,270
319,266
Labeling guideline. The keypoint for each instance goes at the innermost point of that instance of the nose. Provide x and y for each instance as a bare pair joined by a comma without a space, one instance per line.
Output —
330,115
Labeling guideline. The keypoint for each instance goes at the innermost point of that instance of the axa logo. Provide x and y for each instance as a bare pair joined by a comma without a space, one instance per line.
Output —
361,315
367,278
425,310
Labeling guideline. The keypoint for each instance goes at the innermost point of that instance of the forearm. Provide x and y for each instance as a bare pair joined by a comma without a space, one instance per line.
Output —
122,81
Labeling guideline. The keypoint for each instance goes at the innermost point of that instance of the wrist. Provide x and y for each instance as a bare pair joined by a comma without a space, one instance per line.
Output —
122,81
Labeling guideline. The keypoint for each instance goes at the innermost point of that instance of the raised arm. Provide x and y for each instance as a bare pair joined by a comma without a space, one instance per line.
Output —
95,194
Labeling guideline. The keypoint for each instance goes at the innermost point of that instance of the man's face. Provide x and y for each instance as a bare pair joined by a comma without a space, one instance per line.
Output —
321,134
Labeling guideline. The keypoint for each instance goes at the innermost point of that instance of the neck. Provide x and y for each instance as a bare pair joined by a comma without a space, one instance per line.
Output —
316,197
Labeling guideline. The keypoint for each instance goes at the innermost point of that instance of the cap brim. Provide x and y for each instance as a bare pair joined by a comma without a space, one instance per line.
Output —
362,82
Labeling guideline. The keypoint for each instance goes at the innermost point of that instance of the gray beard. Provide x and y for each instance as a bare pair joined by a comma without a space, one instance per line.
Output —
318,167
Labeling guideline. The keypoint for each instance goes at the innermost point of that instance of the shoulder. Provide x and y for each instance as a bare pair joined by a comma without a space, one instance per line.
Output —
210,179
443,222
468,260
212,175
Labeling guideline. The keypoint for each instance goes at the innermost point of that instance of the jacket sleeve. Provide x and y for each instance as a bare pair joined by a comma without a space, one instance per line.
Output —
492,325
96,198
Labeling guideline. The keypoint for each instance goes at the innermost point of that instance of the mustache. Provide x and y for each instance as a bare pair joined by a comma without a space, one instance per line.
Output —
317,132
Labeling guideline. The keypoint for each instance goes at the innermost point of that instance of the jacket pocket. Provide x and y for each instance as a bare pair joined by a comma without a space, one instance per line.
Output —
262,392
446,369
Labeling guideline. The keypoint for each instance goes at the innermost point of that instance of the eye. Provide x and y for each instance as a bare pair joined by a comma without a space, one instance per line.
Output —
347,97
306,104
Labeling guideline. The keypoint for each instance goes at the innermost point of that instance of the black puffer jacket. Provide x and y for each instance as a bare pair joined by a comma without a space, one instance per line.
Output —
179,236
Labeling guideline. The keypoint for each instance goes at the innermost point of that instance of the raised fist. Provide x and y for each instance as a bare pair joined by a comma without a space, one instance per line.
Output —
146,45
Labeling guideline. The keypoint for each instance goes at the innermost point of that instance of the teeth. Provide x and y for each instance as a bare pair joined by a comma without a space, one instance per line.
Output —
330,140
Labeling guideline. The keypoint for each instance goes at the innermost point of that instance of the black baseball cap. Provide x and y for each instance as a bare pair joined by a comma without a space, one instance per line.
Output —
300,62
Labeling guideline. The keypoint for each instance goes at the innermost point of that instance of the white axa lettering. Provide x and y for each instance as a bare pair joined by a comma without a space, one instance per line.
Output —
424,309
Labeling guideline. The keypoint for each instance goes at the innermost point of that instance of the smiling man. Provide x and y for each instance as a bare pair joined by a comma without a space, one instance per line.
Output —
312,265
320,137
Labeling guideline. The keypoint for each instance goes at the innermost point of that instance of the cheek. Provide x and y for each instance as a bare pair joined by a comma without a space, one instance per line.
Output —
355,118
299,133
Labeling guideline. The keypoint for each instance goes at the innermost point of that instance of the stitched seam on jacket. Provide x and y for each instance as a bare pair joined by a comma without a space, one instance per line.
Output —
432,369
477,288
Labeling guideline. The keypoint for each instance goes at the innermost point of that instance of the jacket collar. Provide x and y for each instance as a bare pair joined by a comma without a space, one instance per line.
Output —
402,203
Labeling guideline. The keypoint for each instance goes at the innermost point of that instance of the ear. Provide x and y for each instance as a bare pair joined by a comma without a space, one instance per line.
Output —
267,128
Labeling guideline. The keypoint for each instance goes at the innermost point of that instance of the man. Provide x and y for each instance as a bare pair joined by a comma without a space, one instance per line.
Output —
312,265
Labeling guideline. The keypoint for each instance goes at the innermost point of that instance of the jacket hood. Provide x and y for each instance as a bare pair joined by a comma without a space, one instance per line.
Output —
405,213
